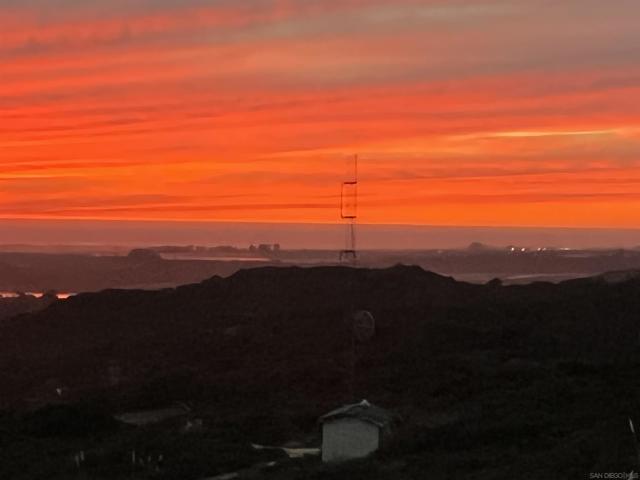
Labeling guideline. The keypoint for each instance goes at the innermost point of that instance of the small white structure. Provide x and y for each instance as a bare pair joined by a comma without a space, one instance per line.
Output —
354,431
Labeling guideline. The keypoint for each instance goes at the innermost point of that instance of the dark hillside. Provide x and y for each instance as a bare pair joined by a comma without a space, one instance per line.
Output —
491,379
16,305
269,311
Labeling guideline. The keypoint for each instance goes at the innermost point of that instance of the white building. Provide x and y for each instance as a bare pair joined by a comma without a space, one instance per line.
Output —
354,431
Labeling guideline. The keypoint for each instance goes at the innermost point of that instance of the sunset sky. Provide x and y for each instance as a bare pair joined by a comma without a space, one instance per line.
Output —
504,112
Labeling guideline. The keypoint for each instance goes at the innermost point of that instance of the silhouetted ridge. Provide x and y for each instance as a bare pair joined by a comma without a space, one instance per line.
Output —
265,331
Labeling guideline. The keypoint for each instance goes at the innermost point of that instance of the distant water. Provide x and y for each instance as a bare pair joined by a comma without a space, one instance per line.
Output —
61,296
518,279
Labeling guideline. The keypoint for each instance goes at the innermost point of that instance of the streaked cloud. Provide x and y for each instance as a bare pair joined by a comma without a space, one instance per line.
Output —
490,112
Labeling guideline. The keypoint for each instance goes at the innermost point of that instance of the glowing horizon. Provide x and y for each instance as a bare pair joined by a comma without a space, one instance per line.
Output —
495,113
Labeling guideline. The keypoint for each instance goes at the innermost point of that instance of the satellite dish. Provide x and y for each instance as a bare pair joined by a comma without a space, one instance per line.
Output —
364,326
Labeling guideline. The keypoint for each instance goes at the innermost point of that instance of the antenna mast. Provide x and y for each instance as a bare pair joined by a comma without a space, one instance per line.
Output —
349,214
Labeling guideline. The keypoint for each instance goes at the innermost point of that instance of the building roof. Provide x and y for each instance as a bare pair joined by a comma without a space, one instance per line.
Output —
364,411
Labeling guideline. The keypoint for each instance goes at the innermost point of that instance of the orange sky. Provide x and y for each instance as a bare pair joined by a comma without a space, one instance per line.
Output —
504,112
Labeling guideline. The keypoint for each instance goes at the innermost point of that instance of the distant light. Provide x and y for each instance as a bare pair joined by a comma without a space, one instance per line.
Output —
513,249
524,250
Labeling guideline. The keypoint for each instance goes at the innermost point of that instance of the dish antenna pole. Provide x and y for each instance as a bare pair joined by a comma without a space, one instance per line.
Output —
349,214
363,329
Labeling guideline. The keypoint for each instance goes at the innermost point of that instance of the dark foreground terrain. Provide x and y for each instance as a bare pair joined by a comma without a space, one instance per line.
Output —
528,382
22,303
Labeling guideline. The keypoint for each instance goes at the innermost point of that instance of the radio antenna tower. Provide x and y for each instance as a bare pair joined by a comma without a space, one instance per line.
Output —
349,214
